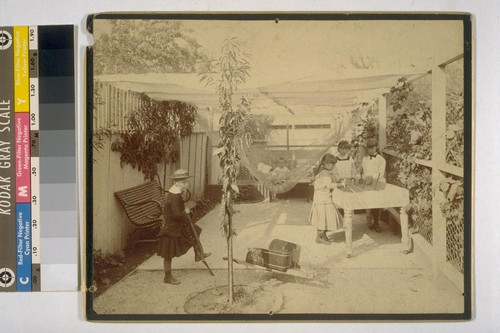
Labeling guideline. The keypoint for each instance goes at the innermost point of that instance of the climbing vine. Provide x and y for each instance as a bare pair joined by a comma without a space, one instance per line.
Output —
366,128
409,127
455,113
101,133
153,133
455,129
409,134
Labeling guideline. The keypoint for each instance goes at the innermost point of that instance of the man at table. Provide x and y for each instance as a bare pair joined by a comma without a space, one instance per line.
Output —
373,168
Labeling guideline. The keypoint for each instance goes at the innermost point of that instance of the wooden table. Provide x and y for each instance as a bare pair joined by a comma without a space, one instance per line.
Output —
384,196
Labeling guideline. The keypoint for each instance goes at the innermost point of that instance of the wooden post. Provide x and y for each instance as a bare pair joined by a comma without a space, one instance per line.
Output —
348,231
438,159
405,235
382,122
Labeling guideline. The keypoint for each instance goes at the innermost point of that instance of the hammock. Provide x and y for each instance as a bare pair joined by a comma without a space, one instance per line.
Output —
287,153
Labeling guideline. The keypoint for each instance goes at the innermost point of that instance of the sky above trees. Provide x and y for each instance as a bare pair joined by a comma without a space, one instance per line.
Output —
289,49
282,51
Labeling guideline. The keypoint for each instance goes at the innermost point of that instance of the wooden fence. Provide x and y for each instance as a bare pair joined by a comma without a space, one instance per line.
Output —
110,224
194,159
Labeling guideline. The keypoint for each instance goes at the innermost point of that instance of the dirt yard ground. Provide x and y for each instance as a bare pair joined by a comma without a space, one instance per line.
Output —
377,279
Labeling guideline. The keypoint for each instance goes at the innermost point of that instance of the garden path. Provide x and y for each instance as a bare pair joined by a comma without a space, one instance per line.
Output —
377,279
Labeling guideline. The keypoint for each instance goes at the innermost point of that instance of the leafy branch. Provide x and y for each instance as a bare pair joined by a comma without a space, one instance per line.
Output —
146,46
226,74
409,134
153,134
100,133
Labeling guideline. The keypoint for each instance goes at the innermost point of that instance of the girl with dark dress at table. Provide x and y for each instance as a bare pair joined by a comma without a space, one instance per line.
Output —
176,234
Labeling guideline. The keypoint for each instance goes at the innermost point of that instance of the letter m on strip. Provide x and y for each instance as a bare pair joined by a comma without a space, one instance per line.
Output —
22,191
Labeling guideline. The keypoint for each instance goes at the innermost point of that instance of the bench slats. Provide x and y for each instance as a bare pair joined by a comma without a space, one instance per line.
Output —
143,205
140,214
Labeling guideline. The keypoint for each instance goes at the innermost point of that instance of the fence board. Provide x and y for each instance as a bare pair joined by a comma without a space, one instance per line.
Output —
100,188
198,164
111,227
214,169
203,164
193,158
192,162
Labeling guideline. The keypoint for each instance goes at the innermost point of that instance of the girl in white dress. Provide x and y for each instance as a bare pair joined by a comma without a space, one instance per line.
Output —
345,163
324,215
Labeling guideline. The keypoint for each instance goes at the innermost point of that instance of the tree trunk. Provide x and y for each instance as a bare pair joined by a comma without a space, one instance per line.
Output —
230,258
164,176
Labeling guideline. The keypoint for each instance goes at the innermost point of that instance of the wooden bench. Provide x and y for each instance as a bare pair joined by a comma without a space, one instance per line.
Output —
143,205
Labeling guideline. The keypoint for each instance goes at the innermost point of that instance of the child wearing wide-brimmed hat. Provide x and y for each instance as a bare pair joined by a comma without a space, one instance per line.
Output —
176,235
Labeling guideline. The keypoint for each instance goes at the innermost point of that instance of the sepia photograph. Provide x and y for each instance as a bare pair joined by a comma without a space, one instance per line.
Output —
293,167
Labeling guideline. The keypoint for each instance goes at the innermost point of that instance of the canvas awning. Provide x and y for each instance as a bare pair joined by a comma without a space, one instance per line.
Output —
324,89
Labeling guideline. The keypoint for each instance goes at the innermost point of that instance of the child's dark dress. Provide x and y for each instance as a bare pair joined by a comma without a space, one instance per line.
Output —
176,236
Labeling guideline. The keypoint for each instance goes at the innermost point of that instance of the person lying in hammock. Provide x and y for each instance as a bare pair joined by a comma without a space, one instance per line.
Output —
281,172
281,169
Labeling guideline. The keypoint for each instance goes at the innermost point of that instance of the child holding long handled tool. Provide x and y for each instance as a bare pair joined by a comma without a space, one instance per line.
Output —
178,234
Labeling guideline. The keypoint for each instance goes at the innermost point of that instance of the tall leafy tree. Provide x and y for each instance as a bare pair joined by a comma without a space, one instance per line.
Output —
145,46
226,74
